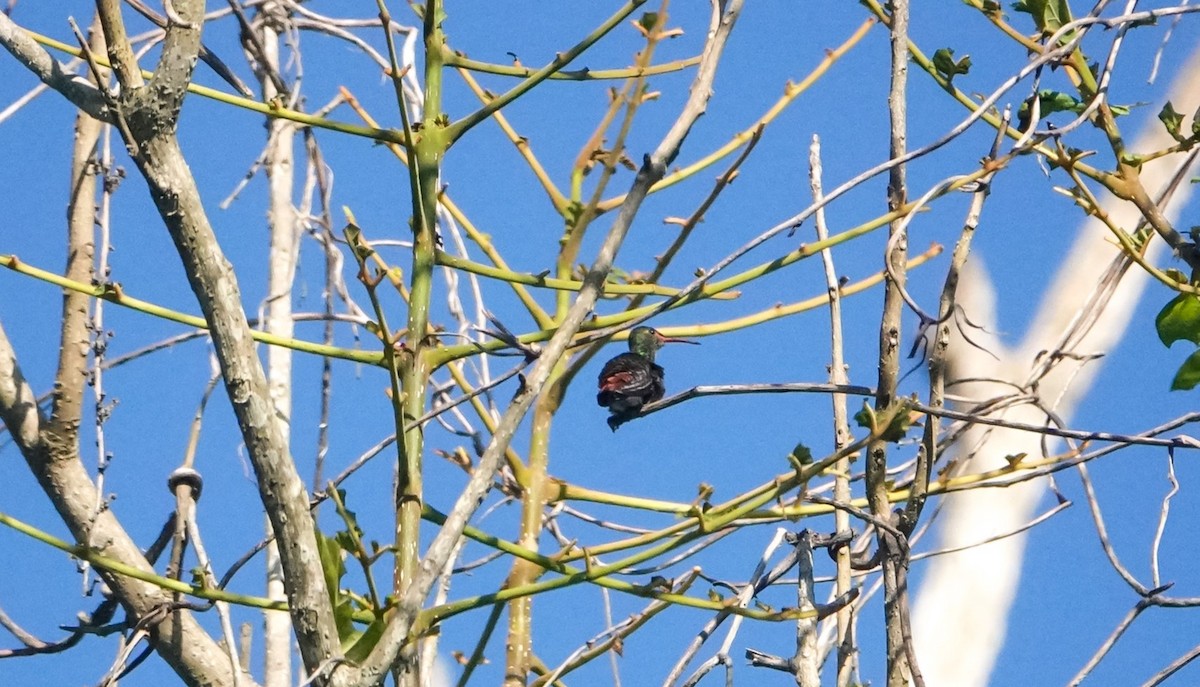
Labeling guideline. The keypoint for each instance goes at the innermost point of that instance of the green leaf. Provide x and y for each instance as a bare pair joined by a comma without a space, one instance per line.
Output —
346,538
346,542
802,455
1054,14
1056,101
367,639
1176,275
1188,375
1122,110
1048,102
331,563
1172,120
343,618
947,66
1048,15
1133,160
1179,320
865,418
648,21
896,429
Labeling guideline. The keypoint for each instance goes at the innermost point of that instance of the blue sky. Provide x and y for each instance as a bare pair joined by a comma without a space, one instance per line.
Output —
1069,599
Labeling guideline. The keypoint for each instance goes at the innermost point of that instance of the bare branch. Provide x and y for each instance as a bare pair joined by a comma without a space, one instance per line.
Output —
83,94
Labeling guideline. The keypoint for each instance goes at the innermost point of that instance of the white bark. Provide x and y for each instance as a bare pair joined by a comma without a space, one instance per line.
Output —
282,221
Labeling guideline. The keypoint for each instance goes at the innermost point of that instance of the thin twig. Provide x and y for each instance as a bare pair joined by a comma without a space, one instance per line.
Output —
752,587
841,424
1163,513
1102,533
1108,643
1175,666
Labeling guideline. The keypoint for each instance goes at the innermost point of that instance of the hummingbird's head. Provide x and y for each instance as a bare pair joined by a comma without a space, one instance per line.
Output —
646,340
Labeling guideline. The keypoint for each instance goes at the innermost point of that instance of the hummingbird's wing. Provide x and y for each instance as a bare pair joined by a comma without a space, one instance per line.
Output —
629,381
658,385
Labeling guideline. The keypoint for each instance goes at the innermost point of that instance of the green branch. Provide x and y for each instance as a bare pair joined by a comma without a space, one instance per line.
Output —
456,130
113,293
542,279
698,525
454,59
710,290
271,109
90,555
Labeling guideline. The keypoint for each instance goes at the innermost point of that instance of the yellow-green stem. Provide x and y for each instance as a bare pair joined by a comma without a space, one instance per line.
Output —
90,555
698,526
113,293
271,109
424,175
525,572
584,74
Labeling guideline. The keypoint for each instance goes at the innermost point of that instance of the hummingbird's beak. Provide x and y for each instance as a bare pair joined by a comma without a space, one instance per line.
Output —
667,339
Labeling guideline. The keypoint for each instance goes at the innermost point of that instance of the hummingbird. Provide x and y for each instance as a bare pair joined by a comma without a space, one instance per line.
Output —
631,380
